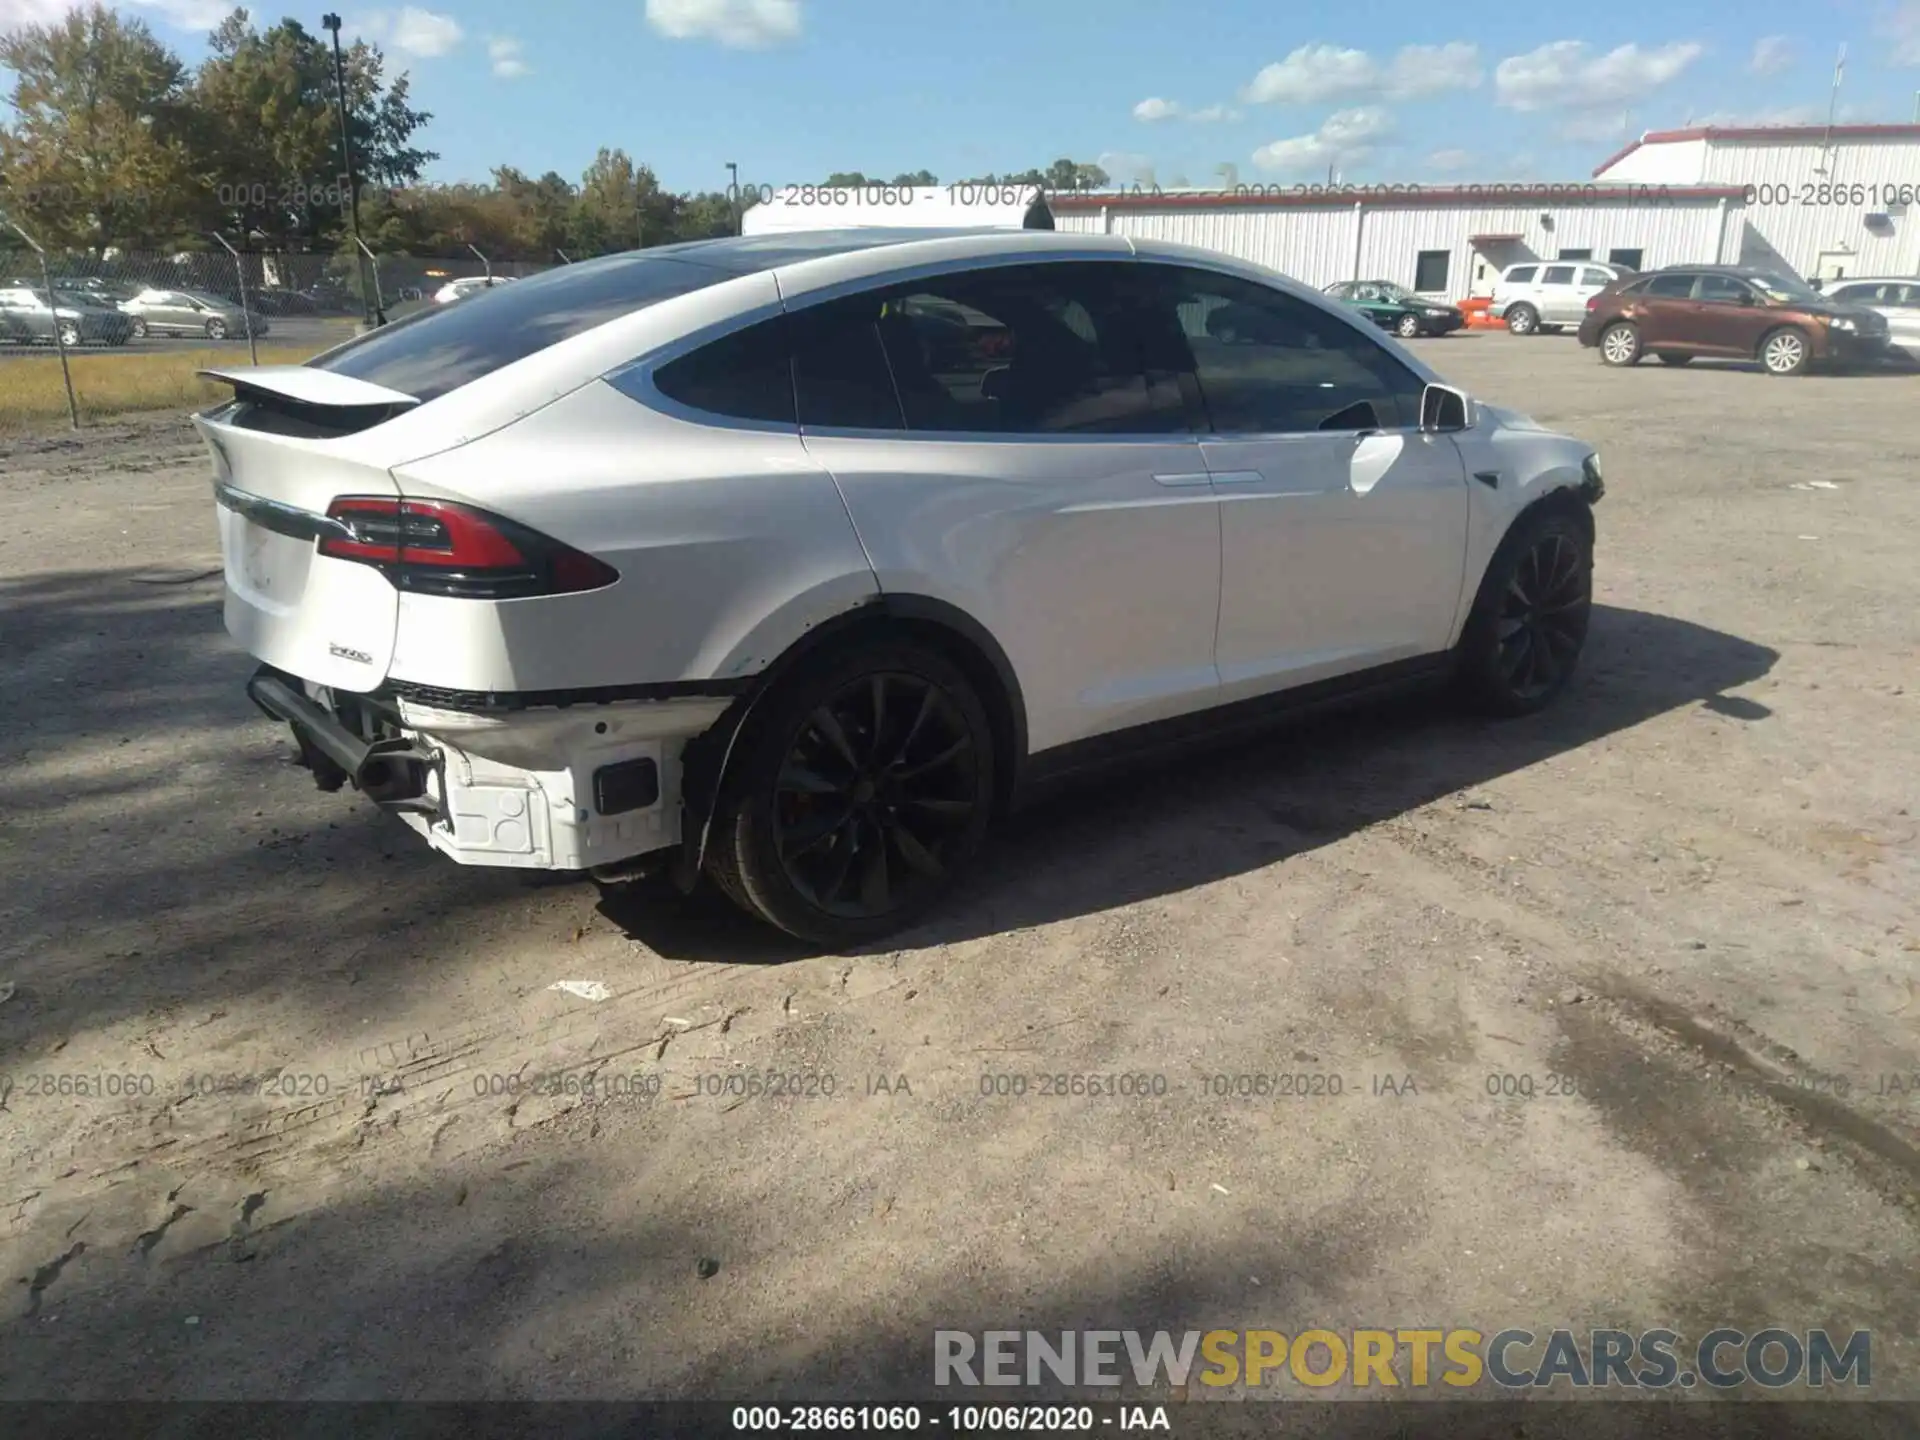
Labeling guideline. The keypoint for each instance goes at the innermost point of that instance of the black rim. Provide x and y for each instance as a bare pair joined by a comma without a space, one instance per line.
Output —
1543,617
877,788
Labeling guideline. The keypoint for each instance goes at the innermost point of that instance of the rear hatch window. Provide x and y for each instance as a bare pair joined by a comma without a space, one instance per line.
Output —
439,350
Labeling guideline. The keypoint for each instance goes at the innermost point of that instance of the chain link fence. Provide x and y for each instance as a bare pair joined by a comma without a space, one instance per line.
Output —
86,336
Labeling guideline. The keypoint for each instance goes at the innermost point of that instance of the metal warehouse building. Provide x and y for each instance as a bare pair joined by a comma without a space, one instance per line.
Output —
1826,201
1450,242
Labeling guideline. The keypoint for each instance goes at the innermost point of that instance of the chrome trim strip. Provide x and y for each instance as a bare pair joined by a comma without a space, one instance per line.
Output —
279,517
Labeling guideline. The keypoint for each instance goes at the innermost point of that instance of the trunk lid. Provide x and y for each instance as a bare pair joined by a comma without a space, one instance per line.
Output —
277,467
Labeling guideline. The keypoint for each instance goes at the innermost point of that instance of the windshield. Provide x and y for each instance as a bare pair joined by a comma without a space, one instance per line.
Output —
1779,287
1390,291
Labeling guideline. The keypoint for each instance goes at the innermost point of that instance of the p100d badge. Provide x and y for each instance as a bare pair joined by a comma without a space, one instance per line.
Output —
343,652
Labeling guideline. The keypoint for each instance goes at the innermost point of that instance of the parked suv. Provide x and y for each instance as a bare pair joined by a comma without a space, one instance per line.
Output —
1730,312
1897,301
1542,296
733,558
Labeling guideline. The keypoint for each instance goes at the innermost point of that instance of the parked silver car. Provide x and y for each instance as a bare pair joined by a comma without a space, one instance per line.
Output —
27,319
188,312
1898,300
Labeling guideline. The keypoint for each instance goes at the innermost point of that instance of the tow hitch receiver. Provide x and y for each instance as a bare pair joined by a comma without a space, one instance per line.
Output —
392,772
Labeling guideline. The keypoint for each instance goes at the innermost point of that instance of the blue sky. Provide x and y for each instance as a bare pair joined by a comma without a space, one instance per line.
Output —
1159,92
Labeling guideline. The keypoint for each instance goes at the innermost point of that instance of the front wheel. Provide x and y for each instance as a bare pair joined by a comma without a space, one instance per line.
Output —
1523,320
139,329
1784,352
1620,345
1407,327
1529,622
216,329
862,788
70,336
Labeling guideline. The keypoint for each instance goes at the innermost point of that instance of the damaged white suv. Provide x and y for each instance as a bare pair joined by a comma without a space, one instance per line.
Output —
793,560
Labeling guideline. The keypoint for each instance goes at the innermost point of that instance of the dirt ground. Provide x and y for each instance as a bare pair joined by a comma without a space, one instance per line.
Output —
309,1159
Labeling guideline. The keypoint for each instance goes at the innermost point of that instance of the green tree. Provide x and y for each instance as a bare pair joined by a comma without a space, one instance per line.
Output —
97,155
268,134
842,178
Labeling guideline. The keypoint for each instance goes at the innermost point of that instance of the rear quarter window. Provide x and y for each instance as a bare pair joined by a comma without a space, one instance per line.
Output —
437,351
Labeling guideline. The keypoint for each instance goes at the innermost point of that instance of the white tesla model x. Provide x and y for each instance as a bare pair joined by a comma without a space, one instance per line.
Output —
792,560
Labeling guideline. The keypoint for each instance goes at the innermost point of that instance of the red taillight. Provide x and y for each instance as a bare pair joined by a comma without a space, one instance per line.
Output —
1593,302
436,547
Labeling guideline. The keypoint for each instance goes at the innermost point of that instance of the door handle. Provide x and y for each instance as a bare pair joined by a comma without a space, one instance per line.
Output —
1238,477
1187,479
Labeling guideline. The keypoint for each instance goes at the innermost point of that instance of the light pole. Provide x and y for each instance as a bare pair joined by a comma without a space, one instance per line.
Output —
332,23
733,193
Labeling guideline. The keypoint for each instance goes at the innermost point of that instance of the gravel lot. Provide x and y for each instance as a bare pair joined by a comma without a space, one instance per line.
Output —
1691,890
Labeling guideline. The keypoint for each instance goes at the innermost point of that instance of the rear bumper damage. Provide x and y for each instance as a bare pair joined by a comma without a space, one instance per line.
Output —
578,787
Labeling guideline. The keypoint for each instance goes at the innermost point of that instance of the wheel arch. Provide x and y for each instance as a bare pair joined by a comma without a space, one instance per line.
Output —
938,624
1567,499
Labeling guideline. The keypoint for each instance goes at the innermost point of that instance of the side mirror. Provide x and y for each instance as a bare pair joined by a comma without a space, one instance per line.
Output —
1442,409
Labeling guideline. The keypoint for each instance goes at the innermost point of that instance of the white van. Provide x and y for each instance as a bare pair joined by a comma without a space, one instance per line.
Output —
1540,296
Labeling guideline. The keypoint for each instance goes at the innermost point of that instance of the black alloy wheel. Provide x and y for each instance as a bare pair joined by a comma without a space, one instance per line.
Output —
876,783
865,785
1543,617
1529,621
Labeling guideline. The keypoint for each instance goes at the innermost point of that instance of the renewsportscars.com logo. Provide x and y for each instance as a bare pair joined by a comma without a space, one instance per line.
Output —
1722,1359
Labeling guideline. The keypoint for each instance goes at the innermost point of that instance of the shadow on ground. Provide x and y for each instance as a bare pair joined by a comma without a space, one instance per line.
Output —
1168,828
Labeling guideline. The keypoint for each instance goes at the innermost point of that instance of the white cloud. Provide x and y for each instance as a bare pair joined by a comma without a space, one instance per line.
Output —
504,52
1902,26
739,24
1155,109
1314,74
1126,167
1452,162
1345,137
1566,75
1771,55
1433,69
412,31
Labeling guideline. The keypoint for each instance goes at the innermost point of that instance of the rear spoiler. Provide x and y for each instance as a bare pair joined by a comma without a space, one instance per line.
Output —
316,404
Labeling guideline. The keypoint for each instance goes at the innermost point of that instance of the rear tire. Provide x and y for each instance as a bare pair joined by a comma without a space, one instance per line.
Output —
1785,352
1668,357
1528,625
1620,344
70,336
139,330
860,789
1523,320
216,329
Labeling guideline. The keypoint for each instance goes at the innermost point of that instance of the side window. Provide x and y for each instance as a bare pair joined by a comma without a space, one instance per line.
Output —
1857,294
1724,289
1672,287
1268,363
1522,274
1558,275
1038,349
1590,276
747,375
1908,297
840,374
